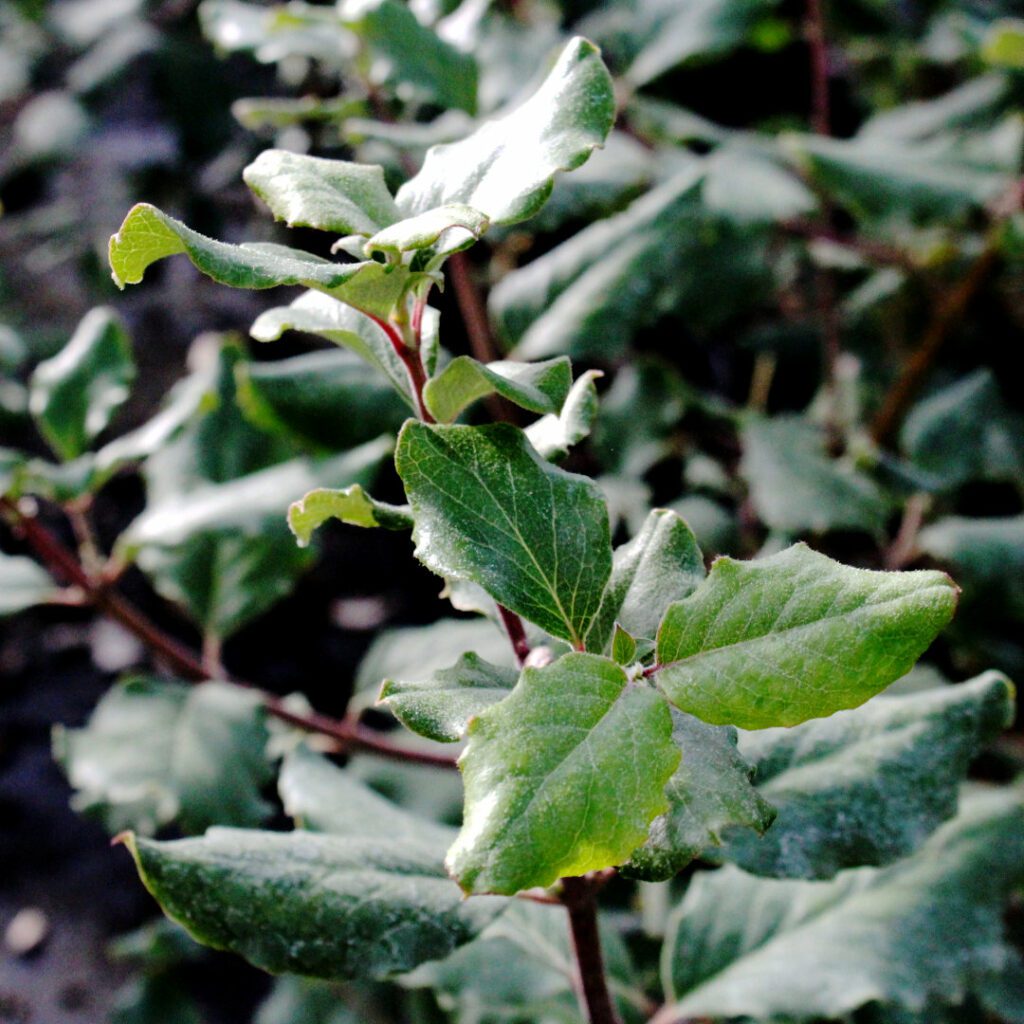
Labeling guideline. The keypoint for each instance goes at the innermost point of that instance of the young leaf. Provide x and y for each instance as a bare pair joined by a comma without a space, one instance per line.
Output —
23,583
444,230
322,906
350,505
328,195
710,795
623,647
505,169
925,928
866,786
539,387
795,636
489,510
442,706
552,436
661,564
148,235
562,777
157,752
74,395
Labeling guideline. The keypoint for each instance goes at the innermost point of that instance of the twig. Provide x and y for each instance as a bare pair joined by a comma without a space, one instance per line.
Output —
904,546
63,565
412,360
814,31
516,634
580,898
876,252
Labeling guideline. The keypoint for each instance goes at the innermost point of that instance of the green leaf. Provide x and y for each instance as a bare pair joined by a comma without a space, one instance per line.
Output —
965,432
330,400
445,229
538,387
328,195
797,488
411,54
157,752
505,169
795,636
349,504
23,583
867,786
923,929
710,796
328,318
74,395
744,183
623,647
490,511
552,436
295,999
323,906
277,32
661,564
324,798
562,777
1003,46
148,235
441,706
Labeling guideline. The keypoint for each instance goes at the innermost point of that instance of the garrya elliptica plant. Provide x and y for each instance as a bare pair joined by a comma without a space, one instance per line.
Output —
654,712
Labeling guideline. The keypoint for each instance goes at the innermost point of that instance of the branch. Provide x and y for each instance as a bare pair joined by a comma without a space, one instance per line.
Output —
580,898
62,564
814,32
876,252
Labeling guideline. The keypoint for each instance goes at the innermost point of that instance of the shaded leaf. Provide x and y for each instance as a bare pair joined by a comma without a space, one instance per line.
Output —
795,636
23,583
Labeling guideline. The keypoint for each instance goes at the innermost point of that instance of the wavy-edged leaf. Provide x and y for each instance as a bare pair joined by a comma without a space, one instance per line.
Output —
779,640
868,786
349,504
441,706
23,583
323,906
444,230
74,395
924,929
552,436
710,795
506,168
660,565
148,235
490,511
538,387
562,777
156,752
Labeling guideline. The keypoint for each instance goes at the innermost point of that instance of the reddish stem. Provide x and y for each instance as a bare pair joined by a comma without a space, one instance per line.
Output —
580,898
814,28
516,634
412,361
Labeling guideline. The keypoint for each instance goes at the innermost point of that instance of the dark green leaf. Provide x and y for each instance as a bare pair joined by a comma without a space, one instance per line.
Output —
562,777
441,706
74,395
795,636
489,510
156,752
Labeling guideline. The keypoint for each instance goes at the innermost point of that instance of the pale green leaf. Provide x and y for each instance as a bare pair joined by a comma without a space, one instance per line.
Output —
552,436
924,929
441,706
867,786
506,168
74,395
329,195
277,32
148,235
23,583
349,504
322,906
562,777
779,640
444,230
157,752
489,510
710,796
538,387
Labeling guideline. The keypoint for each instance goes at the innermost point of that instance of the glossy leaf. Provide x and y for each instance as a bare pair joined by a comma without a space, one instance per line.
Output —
780,640
157,752
23,583
661,564
349,504
74,395
923,929
867,786
505,169
322,906
797,488
552,436
490,511
441,706
562,777
538,387
148,235
329,195
710,796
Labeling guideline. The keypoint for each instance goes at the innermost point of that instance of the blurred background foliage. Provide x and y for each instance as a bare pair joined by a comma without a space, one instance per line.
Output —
798,263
